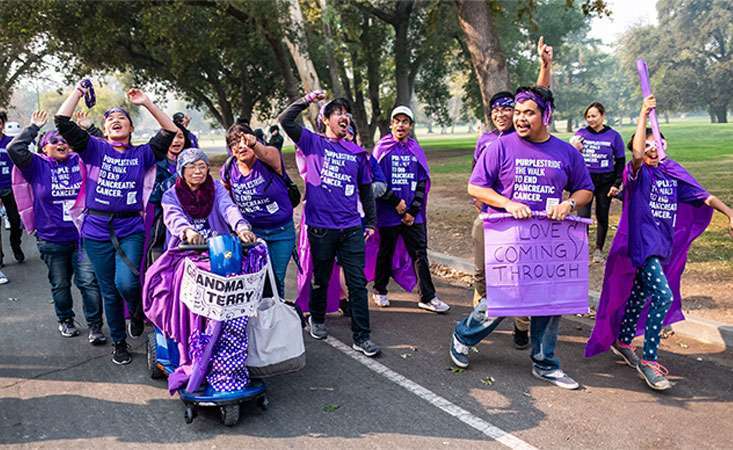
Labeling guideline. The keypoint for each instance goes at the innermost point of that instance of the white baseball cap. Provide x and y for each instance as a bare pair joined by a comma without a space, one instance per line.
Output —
402,110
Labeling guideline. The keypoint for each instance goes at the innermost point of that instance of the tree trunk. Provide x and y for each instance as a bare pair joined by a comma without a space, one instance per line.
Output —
482,41
569,127
402,63
721,114
306,69
333,68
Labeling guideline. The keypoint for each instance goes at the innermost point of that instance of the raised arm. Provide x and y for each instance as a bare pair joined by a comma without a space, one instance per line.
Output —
265,153
18,149
288,117
637,146
544,79
138,97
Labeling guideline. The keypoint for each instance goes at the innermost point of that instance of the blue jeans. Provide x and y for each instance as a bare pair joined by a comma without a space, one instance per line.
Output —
117,283
64,260
543,332
280,243
347,245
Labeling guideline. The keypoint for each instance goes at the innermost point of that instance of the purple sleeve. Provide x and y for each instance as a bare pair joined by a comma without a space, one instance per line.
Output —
174,217
578,176
486,171
619,151
365,170
308,142
228,209
31,170
690,192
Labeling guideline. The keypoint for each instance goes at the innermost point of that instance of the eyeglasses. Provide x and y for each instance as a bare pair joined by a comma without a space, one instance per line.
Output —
648,145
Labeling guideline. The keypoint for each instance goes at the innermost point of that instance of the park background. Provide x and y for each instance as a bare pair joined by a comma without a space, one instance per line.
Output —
224,60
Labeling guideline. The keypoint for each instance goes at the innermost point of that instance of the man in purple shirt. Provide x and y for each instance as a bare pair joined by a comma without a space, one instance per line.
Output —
6,195
337,176
502,114
524,172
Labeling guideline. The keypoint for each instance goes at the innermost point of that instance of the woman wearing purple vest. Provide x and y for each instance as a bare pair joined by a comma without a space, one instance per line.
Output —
112,225
254,176
603,151
55,176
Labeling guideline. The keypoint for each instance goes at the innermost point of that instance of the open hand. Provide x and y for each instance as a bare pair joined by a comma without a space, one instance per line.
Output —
137,97
518,210
39,118
82,119
577,142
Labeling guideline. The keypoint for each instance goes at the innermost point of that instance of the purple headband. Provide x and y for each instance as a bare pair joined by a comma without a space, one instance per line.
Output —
544,106
118,110
502,102
46,138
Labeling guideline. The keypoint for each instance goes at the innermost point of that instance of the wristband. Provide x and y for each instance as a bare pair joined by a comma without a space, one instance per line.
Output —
572,203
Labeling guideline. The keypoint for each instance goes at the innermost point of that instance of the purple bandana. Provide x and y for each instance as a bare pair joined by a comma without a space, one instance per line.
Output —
48,137
118,110
90,99
503,102
545,107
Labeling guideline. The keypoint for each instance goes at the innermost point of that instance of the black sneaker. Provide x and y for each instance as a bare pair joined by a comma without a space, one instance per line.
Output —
19,255
121,354
521,338
367,347
96,337
68,329
135,327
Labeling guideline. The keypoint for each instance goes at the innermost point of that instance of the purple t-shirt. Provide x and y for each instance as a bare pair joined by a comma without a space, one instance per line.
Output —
261,196
55,185
654,197
402,171
487,138
332,202
115,184
600,149
6,165
531,173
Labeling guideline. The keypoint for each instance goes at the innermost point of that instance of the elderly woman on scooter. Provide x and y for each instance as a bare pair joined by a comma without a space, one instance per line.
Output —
198,207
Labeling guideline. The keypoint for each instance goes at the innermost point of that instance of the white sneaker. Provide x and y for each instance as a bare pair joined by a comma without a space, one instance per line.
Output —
556,377
380,300
435,305
3,278
598,256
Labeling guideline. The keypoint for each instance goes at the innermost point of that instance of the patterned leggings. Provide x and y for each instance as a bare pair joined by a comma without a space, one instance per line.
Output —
650,282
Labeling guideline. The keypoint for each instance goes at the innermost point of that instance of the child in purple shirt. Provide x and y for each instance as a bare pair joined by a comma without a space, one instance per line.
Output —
655,192
336,173
112,228
56,176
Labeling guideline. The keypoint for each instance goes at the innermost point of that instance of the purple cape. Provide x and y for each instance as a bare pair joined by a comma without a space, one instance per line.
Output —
692,219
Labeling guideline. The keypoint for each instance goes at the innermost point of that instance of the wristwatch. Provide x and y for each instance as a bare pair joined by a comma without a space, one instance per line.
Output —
572,203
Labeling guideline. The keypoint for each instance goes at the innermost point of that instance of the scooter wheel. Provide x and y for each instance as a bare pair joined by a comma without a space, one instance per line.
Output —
189,414
263,402
229,415
152,363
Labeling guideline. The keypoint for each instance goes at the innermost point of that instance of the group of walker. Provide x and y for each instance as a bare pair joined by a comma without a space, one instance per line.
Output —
103,208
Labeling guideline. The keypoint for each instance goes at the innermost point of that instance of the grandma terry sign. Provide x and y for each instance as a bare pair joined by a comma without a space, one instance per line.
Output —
535,267
221,298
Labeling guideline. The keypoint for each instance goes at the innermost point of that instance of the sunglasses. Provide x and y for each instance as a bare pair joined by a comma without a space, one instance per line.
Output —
648,145
56,141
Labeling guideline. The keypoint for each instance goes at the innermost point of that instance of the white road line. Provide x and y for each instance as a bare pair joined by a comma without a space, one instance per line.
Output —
429,396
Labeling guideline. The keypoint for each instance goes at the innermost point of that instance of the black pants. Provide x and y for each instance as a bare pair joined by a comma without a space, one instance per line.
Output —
348,246
16,228
602,183
416,241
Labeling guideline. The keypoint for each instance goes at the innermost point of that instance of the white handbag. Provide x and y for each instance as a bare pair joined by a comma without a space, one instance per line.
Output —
275,337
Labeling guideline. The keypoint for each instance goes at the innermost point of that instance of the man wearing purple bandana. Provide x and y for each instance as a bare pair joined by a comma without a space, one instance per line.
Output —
502,113
116,193
336,173
499,181
55,176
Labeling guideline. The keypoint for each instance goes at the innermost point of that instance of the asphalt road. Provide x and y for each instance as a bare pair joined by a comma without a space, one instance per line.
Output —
62,392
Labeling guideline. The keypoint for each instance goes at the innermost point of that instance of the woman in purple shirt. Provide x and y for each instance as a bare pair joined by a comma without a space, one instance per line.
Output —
197,207
254,177
112,228
603,152
55,176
